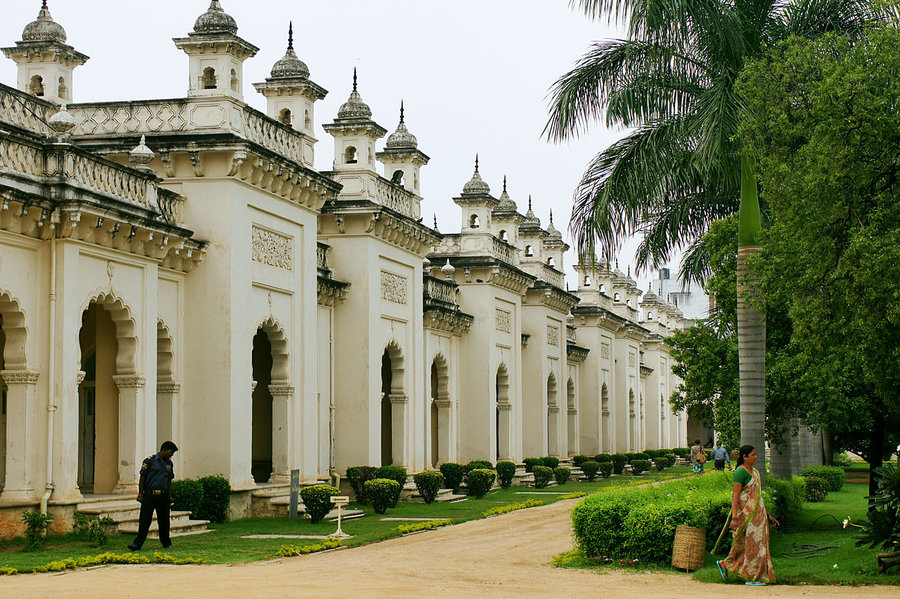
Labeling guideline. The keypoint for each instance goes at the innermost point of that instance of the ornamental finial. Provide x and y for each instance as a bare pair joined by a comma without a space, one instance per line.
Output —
551,216
504,182
354,78
476,163
291,35
529,201
44,5
401,111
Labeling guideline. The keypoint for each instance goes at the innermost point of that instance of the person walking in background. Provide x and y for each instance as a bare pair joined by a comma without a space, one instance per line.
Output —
698,456
720,456
154,494
749,559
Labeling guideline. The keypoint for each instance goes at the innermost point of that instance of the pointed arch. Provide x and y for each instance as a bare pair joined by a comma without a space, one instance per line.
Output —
279,342
125,327
165,355
395,354
12,320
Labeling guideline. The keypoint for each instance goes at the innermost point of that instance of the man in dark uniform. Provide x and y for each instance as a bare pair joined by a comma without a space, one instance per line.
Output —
154,493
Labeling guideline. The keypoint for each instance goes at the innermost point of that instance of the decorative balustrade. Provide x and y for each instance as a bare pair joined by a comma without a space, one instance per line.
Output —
440,291
322,257
503,251
396,198
24,110
171,205
112,180
570,333
550,275
279,138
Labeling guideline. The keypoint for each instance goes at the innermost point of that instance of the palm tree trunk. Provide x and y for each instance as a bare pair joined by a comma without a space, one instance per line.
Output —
751,323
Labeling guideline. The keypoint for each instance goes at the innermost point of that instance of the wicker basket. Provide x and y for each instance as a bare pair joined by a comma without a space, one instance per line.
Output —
689,551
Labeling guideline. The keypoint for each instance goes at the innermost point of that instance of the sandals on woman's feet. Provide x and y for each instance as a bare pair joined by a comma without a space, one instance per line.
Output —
755,583
722,571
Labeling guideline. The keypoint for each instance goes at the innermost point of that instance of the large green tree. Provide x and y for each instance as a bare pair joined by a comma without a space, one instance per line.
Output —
672,82
823,118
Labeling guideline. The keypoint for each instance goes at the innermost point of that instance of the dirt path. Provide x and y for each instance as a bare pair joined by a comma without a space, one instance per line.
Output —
502,557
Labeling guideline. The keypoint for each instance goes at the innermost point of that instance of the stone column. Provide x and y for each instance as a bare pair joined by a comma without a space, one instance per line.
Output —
503,413
443,416
131,446
20,434
572,431
167,395
553,430
282,397
399,404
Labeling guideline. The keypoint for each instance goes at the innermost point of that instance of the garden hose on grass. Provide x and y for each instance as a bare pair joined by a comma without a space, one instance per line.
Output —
836,521
808,551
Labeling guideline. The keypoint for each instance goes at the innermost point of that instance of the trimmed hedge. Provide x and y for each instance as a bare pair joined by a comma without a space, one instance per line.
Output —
396,473
453,475
550,462
561,474
606,469
661,463
383,493
216,498
506,471
358,475
590,469
636,456
682,452
603,457
542,476
187,495
429,483
619,460
317,499
479,465
579,460
639,522
783,498
639,465
816,488
832,474
479,481
530,463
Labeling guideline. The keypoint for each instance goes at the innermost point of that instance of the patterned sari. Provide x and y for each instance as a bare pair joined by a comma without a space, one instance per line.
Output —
749,558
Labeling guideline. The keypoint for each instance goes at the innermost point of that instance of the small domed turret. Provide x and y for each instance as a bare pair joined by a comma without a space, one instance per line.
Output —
401,138
552,233
44,28
290,67
506,202
215,20
476,184
354,107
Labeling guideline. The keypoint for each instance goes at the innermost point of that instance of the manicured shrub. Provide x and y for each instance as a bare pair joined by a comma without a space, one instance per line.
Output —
429,483
550,462
383,493
816,488
479,481
799,487
661,463
561,474
606,469
682,452
579,460
603,457
506,471
833,474
619,460
779,496
640,466
453,475
397,473
530,463
590,469
479,464
542,476
653,453
639,522
36,525
187,495
842,460
629,455
358,475
216,498
317,499
672,458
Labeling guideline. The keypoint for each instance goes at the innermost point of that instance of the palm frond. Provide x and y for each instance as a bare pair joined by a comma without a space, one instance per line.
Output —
811,18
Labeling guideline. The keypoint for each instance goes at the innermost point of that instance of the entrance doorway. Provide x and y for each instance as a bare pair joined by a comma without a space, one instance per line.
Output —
261,435
387,428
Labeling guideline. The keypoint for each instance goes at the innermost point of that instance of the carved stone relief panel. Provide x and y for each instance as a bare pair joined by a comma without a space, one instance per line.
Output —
393,287
604,351
503,321
272,249
552,335
631,360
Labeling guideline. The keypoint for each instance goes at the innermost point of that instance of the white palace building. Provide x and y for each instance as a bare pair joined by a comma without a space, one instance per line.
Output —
177,269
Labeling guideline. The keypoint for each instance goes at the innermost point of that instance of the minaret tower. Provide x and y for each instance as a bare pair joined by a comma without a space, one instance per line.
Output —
291,96
554,246
402,158
476,203
44,59
216,55
505,218
355,134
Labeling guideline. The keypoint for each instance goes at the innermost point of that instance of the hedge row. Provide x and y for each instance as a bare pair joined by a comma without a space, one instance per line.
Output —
205,498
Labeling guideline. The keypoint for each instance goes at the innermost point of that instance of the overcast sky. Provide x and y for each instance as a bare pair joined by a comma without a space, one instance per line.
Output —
473,74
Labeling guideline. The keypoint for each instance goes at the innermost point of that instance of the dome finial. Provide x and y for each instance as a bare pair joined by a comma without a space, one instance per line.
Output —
290,35
504,183
529,201
354,78
401,111
435,221
551,216
476,163
44,4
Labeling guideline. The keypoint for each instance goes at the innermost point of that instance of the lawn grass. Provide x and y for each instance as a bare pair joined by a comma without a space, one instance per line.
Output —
225,544
816,524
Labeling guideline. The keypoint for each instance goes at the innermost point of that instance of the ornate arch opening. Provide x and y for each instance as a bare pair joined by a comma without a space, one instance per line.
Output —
270,367
14,333
503,420
209,80
393,398
605,436
440,410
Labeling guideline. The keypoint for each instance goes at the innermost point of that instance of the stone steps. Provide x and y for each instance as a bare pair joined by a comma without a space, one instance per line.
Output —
443,495
125,512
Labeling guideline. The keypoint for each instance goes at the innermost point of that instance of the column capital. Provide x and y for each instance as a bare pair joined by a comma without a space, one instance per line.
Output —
504,406
443,403
553,409
168,387
20,377
79,377
398,398
281,390
129,381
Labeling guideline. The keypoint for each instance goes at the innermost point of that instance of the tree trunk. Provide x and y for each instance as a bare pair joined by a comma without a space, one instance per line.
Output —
751,323
876,449
827,447
781,456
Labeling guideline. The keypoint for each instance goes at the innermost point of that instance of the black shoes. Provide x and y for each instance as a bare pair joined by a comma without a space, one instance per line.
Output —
133,548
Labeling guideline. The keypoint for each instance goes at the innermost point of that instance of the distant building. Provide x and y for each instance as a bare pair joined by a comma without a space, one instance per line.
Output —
686,296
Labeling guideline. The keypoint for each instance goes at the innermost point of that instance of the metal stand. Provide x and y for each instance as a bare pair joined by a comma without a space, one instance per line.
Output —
339,502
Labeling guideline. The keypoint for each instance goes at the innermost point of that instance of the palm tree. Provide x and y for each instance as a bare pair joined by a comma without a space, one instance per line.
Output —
671,81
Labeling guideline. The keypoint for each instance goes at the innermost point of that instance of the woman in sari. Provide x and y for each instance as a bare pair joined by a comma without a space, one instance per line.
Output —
749,559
